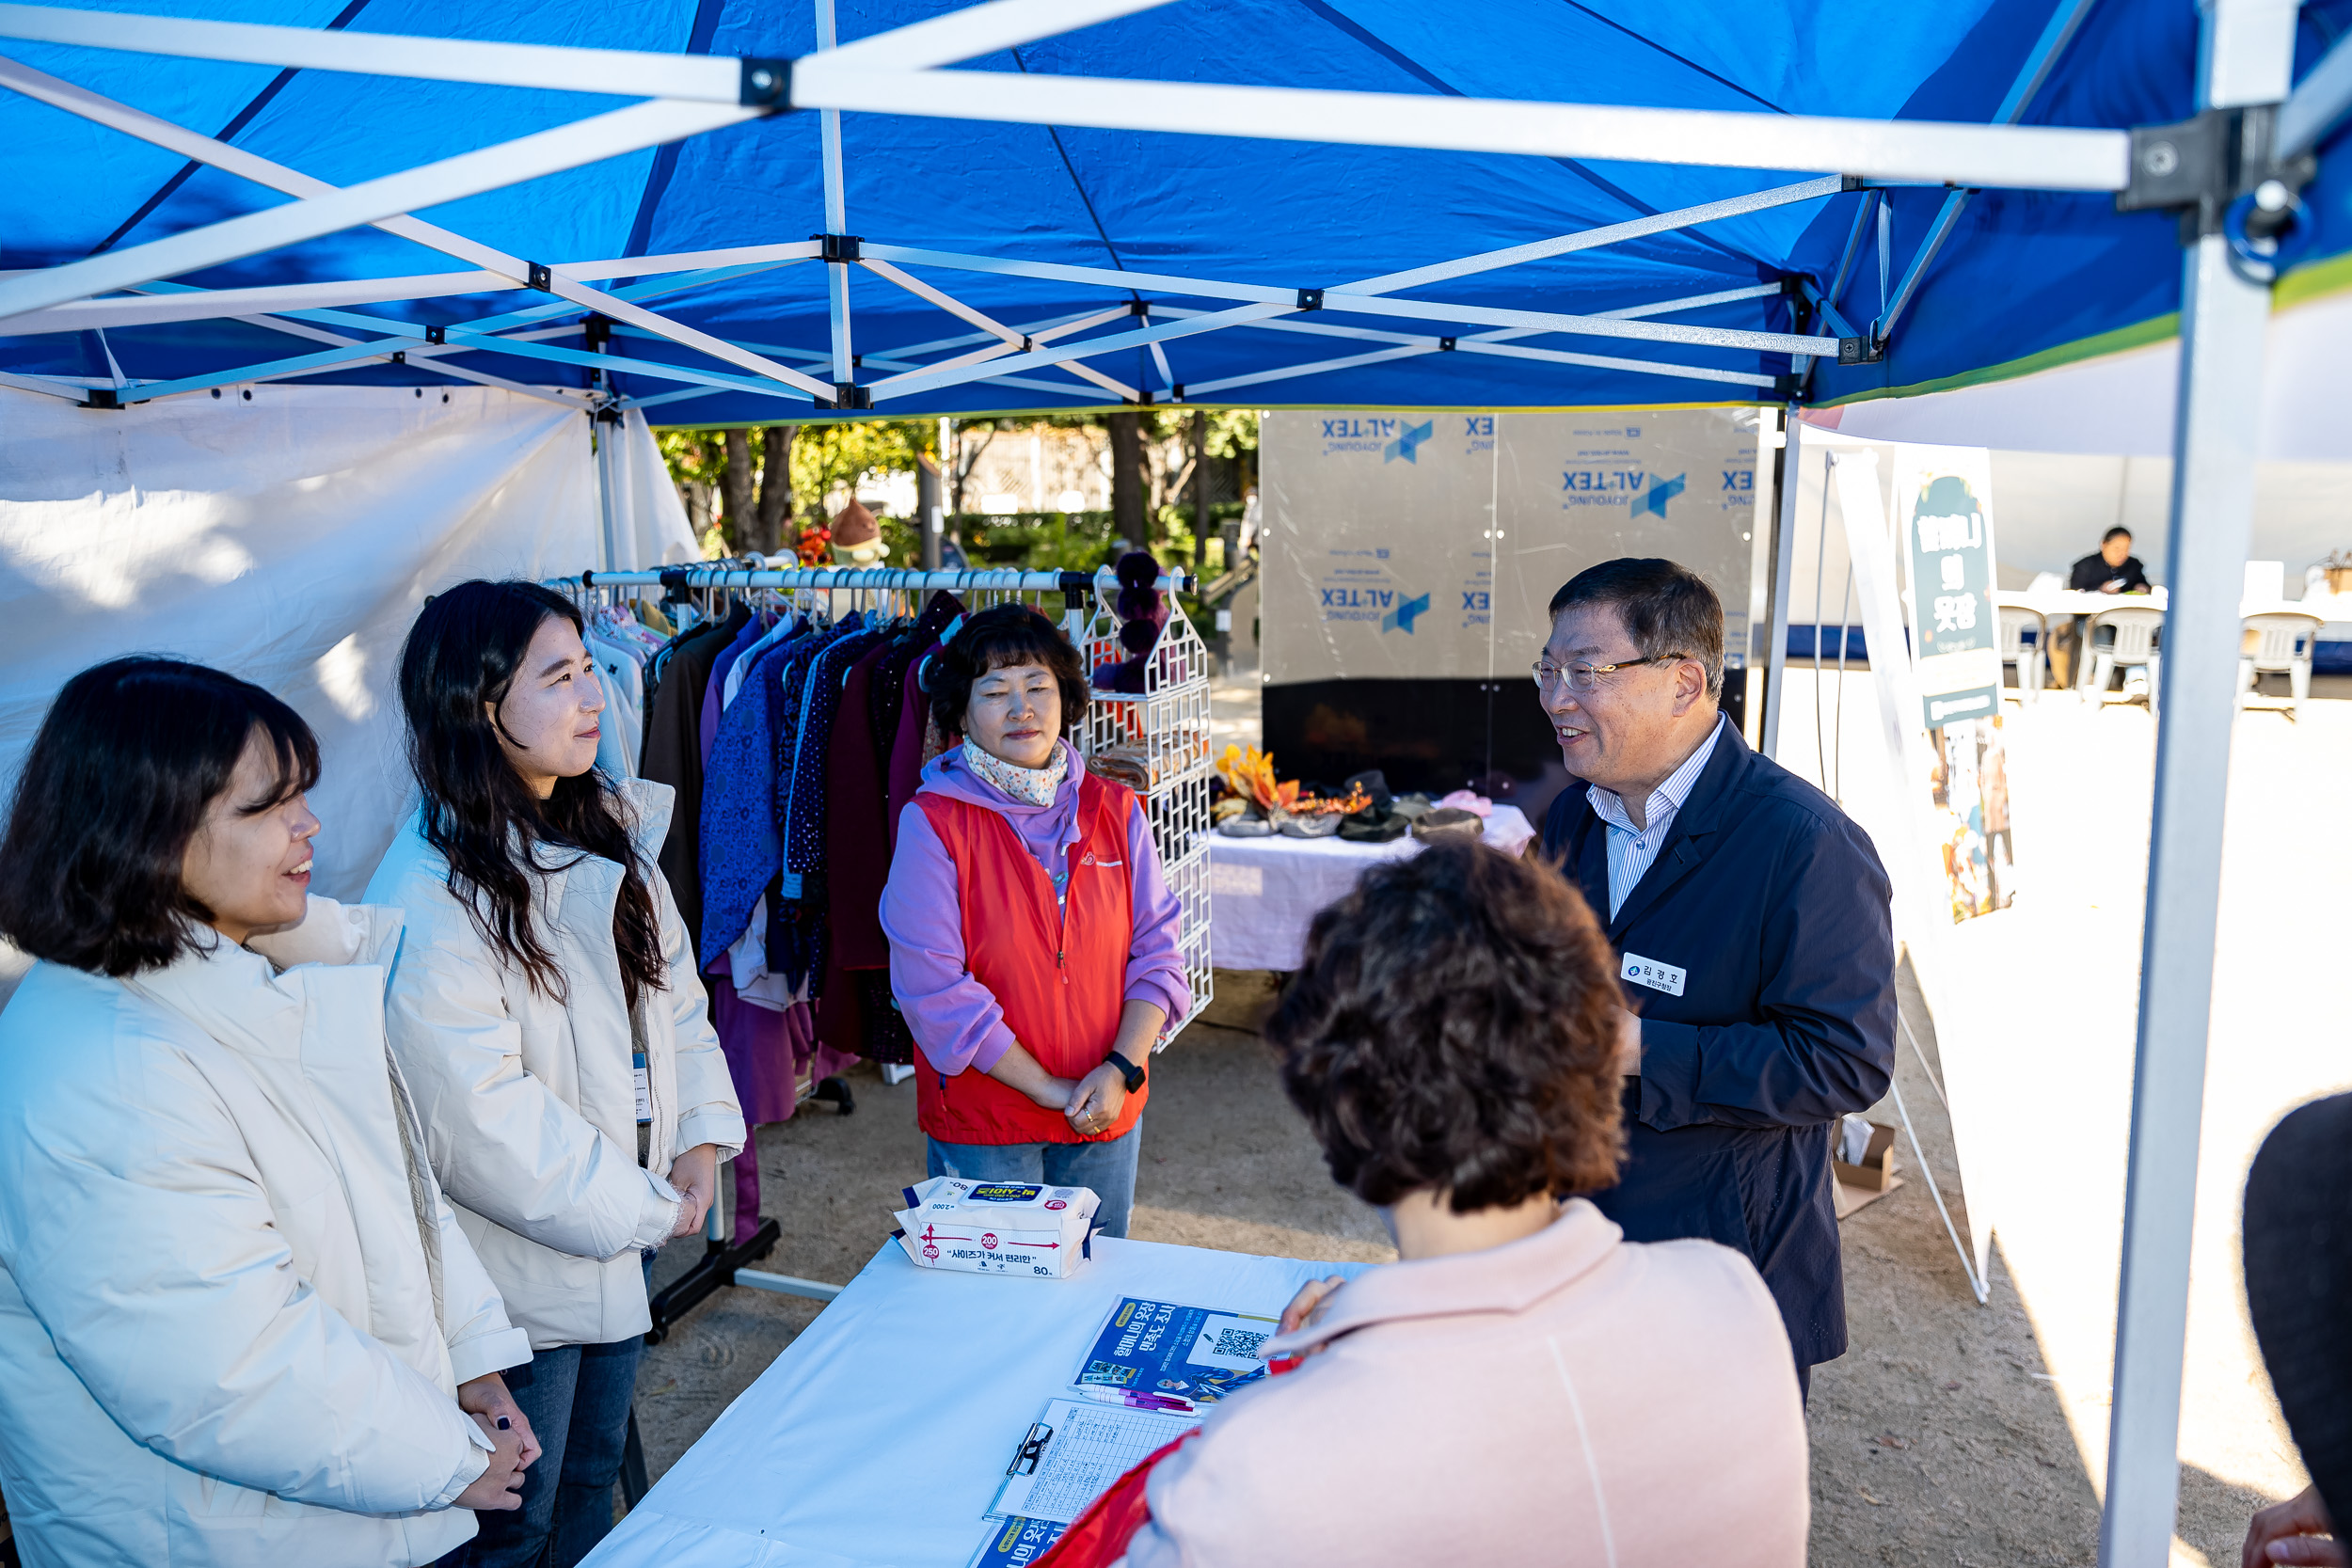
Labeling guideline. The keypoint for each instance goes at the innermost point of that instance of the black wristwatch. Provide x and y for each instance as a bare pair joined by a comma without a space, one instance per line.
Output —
1131,1071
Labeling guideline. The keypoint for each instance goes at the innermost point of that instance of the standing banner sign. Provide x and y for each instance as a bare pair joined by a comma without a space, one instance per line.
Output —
1919,834
1944,497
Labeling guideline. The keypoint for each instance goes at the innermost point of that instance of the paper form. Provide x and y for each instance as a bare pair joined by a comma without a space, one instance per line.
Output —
1073,1453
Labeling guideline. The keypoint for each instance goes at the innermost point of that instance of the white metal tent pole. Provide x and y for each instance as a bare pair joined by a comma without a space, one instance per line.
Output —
1784,562
487,168
1588,239
2247,57
836,214
608,437
2011,156
517,271
1008,338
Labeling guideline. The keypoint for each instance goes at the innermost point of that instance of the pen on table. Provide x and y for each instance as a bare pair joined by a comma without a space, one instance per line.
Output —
1140,1401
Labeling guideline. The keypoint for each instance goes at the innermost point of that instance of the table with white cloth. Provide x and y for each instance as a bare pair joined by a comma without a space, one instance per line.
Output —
1264,892
881,1433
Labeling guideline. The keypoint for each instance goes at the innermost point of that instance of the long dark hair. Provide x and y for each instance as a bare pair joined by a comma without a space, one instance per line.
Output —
130,757
459,663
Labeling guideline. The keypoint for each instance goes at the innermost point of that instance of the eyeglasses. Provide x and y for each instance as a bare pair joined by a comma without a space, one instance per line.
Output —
1586,677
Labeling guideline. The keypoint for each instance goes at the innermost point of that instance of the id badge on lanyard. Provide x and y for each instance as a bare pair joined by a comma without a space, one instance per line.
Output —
644,1088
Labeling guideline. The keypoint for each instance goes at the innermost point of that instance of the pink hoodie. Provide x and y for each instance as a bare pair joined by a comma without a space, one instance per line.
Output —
953,1016
1568,1398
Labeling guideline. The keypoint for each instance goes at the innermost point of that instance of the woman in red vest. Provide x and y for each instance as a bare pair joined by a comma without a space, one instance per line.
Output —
1032,936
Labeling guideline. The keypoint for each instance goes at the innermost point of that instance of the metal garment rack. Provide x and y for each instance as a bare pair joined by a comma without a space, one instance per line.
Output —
1162,731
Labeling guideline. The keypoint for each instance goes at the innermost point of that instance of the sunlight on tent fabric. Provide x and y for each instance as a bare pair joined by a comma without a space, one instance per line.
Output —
342,675
104,549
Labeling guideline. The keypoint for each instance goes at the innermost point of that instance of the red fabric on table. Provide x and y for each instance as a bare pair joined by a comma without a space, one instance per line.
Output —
1099,1537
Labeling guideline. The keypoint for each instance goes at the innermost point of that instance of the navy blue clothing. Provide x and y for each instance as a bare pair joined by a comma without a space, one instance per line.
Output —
1775,905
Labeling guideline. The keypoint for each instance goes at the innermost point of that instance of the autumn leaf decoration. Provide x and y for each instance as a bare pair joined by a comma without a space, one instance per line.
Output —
1249,774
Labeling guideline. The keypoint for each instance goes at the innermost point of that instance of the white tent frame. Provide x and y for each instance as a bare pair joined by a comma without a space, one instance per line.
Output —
2246,60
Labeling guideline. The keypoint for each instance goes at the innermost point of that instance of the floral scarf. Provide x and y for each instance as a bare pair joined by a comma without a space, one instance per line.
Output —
1035,787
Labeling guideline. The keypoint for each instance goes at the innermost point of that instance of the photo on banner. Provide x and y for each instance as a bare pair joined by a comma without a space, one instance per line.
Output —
1943,499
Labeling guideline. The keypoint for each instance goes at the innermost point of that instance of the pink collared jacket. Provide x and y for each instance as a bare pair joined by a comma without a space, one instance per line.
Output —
1571,1398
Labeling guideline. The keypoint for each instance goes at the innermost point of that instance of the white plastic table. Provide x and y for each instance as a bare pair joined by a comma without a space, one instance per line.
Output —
880,1434
1264,892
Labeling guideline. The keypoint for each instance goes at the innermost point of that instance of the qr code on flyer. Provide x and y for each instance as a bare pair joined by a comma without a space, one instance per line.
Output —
1239,1343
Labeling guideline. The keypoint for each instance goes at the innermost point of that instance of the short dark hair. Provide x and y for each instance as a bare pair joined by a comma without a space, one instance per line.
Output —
1002,635
130,757
1453,1028
1667,608
2118,531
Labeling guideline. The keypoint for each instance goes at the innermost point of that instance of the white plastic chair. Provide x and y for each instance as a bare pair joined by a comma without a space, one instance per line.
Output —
2015,621
2280,643
2137,630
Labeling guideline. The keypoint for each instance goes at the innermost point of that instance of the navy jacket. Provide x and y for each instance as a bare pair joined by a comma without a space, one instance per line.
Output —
1775,905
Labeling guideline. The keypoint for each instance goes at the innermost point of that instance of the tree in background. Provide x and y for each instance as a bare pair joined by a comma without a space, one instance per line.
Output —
1128,503
761,508
829,460
744,488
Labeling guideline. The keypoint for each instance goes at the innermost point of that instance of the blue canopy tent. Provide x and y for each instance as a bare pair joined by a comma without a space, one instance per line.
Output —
1037,227
1263,202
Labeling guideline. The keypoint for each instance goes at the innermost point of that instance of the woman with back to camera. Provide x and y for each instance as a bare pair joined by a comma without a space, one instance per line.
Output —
545,1011
238,1323
1032,936
1523,1386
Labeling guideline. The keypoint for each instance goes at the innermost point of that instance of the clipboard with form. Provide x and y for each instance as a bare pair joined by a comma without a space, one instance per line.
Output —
1073,1453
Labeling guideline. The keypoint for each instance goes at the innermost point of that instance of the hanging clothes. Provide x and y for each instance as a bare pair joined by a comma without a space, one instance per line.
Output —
673,753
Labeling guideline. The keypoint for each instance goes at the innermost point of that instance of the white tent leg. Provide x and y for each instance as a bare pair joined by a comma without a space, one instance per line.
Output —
1784,562
836,212
609,439
2247,54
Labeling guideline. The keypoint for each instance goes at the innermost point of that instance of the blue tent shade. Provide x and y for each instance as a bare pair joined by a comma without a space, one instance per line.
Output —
2025,274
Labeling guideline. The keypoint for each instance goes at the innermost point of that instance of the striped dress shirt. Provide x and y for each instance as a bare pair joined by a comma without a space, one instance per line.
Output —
1632,848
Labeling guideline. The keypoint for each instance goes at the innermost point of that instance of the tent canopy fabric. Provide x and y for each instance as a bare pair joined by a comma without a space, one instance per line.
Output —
2024,278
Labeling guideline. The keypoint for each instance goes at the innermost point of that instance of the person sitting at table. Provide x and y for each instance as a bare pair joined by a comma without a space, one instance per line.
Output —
1032,935
2112,568
1523,1386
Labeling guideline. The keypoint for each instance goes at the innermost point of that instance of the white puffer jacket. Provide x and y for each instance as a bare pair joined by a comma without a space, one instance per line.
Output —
233,1307
530,1104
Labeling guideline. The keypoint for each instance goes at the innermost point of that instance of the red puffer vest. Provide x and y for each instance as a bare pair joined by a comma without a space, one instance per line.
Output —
1060,975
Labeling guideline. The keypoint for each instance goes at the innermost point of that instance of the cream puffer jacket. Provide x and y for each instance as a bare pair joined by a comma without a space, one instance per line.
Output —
530,1104
233,1307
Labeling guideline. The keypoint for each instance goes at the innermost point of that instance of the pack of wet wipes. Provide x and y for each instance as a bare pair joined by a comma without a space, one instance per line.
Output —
1017,1228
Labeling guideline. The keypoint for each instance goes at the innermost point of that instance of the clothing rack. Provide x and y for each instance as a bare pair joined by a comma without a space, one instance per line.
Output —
1163,732
754,570
1160,735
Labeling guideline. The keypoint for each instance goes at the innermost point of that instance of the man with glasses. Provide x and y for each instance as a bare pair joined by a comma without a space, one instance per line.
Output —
1750,920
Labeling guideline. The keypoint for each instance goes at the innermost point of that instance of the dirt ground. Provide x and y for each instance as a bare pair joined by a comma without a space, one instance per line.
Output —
1937,1439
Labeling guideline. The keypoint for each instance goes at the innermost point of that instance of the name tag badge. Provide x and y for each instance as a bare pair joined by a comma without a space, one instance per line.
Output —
645,1088
1650,973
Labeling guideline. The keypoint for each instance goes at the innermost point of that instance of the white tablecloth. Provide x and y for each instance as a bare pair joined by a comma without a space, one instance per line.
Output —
1265,892
880,1434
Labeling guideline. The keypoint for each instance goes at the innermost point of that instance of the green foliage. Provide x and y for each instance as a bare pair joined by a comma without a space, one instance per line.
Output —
830,458
694,456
